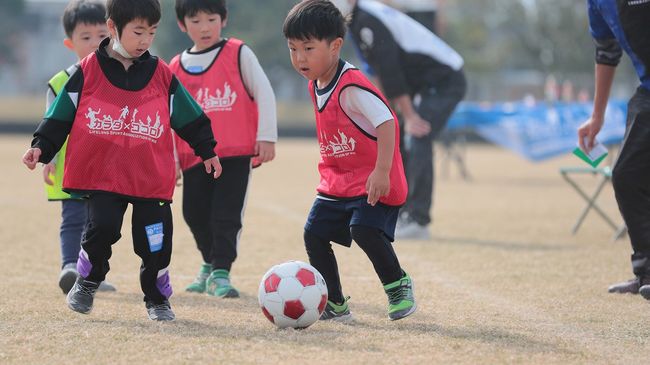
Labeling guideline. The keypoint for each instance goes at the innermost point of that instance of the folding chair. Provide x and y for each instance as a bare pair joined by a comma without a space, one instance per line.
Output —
605,174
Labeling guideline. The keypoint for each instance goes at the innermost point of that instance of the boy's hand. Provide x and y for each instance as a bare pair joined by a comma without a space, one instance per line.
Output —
30,158
587,133
49,169
264,151
416,126
378,185
213,164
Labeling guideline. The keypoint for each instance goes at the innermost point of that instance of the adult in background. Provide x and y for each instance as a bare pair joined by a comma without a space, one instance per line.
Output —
423,77
424,11
617,26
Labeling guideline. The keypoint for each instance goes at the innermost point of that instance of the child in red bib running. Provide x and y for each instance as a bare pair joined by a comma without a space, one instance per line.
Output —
118,109
228,82
362,183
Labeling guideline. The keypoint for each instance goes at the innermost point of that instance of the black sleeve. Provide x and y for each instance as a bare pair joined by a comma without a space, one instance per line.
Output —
198,134
608,52
50,137
382,54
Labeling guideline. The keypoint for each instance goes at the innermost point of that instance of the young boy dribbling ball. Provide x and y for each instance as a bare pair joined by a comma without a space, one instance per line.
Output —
362,182
119,108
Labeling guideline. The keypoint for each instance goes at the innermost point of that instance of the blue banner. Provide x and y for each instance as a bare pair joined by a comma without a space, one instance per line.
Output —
537,132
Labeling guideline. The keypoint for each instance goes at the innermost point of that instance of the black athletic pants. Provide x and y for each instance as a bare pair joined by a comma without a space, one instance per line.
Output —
371,240
631,180
152,229
214,209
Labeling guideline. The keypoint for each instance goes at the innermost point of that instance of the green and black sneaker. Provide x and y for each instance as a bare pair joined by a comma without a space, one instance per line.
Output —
198,285
401,301
337,312
218,285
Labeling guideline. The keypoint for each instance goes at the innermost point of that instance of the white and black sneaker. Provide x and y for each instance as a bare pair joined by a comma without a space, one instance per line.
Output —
80,297
160,311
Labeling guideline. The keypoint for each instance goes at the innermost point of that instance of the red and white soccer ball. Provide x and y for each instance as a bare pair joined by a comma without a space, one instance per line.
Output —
292,294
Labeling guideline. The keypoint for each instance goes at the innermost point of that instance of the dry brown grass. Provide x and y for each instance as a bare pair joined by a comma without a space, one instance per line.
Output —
503,281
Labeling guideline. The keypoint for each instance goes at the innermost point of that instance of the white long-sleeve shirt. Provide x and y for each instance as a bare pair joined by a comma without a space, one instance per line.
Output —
255,82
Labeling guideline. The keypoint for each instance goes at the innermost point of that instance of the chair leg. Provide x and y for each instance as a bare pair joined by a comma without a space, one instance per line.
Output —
620,232
591,203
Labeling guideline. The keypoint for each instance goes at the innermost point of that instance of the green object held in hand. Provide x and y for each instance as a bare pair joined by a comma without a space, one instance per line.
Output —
594,157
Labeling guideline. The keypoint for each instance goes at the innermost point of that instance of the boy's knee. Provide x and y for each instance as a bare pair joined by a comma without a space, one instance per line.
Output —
363,234
313,242
105,229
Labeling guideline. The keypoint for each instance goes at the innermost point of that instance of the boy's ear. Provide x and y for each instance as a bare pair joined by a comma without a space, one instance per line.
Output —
68,44
337,44
112,29
224,23
181,26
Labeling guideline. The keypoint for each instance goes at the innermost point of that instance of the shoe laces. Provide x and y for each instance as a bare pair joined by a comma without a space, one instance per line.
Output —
399,293
159,307
87,289
342,307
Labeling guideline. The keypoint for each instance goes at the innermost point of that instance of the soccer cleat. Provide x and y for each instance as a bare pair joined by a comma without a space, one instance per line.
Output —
218,285
80,297
68,277
401,301
412,231
631,286
160,312
337,312
198,285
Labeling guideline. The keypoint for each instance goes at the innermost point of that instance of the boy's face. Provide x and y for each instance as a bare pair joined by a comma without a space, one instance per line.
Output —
86,38
313,58
204,29
137,36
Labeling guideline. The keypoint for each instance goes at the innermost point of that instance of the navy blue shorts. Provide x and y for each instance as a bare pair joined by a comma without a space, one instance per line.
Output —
331,220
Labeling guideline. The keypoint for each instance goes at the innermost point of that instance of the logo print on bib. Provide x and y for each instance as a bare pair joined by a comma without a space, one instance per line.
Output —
135,127
220,101
337,147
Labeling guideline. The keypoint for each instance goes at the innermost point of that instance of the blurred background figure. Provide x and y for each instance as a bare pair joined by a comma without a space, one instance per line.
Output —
424,11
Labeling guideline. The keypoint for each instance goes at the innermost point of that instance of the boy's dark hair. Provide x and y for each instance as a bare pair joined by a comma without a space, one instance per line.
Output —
191,7
124,11
318,19
82,12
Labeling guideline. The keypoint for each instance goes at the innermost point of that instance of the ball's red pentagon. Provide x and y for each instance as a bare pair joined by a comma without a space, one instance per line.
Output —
267,315
293,309
323,302
306,277
271,283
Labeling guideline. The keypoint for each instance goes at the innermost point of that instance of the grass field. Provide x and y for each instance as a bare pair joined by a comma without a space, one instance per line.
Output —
501,282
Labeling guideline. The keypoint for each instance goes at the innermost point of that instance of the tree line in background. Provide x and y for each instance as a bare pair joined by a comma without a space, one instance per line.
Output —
11,13
494,36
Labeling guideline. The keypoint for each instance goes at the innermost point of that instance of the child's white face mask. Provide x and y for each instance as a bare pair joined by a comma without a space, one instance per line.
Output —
344,6
119,48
